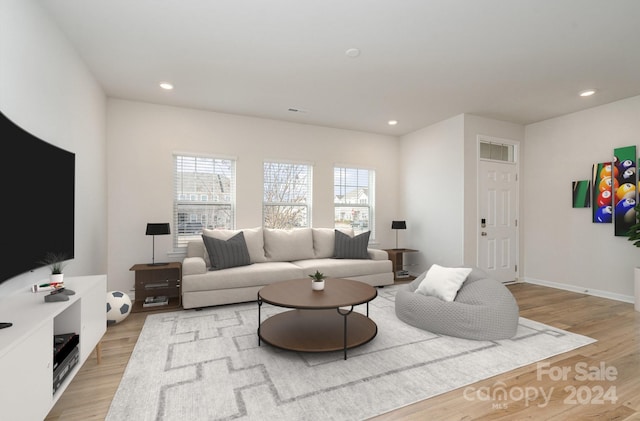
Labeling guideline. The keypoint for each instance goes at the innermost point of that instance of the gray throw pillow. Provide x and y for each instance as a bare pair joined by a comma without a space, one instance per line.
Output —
347,247
227,253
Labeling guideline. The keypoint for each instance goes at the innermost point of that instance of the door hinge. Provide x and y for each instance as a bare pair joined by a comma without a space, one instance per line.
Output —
516,268
516,222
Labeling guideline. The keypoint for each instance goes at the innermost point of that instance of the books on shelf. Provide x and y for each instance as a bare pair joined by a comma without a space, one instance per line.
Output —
159,300
161,284
402,274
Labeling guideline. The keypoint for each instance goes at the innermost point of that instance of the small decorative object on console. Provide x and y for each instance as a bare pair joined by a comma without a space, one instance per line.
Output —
56,296
59,293
47,286
318,281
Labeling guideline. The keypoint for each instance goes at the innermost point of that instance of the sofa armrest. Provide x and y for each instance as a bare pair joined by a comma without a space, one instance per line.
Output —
193,266
376,254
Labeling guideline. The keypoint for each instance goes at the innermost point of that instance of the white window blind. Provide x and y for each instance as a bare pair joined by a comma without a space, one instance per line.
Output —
287,195
497,151
354,200
204,196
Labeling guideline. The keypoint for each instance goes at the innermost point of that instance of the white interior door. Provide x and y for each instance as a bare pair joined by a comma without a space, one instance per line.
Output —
497,219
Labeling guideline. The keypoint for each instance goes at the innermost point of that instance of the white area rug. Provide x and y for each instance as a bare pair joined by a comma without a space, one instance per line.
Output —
207,365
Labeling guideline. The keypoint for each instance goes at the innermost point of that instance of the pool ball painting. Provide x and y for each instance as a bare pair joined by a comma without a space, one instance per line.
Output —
581,194
613,190
624,189
604,214
602,196
609,170
625,212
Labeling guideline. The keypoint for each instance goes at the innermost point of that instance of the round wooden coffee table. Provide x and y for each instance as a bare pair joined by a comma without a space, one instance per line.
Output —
322,321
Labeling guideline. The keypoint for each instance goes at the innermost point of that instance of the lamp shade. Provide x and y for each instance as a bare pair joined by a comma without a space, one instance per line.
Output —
158,229
398,225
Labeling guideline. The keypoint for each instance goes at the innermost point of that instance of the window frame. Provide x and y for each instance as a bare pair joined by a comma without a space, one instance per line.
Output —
308,196
340,187
222,173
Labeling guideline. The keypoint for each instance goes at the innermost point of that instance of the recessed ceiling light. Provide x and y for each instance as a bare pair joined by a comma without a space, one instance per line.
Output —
352,52
392,122
588,92
166,85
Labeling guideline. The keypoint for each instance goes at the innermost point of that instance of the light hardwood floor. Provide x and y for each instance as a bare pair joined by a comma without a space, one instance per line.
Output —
615,325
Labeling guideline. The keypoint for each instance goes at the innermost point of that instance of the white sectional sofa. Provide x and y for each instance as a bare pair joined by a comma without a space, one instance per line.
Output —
275,255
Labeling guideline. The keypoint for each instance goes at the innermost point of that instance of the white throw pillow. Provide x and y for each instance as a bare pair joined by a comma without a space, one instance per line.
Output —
443,282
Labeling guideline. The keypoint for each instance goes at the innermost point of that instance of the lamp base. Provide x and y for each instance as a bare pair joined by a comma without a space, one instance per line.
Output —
157,264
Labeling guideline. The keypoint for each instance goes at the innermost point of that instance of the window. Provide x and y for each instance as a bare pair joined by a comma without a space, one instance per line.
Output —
198,178
354,203
287,195
496,151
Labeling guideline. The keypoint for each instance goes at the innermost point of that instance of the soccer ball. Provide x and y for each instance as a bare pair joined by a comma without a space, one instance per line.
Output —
118,307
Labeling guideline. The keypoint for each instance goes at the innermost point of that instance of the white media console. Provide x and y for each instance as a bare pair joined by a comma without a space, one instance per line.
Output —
26,348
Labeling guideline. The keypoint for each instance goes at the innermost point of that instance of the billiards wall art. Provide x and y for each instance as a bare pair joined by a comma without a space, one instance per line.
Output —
581,194
614,191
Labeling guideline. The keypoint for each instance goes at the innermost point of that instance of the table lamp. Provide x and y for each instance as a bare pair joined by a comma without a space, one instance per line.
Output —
398,225
157,229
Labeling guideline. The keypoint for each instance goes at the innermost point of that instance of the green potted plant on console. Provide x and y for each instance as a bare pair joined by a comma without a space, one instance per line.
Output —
56,262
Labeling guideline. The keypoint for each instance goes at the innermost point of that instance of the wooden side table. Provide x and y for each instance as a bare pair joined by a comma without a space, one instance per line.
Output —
157,280
396,257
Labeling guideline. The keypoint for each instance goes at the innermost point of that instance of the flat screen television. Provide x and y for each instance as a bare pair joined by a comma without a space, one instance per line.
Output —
38,191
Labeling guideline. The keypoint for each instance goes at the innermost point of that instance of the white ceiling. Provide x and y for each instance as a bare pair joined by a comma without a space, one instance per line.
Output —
421,61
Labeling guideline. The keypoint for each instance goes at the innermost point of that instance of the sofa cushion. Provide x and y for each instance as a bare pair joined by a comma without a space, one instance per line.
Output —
324,240
347,247
257,274
252,236
344,268
282,245
195,248
229,253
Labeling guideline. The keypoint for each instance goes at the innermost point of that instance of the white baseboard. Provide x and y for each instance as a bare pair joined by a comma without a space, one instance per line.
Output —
582,290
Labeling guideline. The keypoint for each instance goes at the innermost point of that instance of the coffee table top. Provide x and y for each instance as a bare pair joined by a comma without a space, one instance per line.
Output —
297,293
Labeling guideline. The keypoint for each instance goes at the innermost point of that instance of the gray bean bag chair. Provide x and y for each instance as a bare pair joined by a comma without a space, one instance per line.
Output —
483,309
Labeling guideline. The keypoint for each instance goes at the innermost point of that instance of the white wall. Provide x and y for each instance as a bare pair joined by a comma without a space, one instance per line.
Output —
142,138
562,245
439,188
47,90
432,194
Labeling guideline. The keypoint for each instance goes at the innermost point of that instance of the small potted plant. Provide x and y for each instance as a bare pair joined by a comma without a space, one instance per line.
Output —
317,283
56,262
